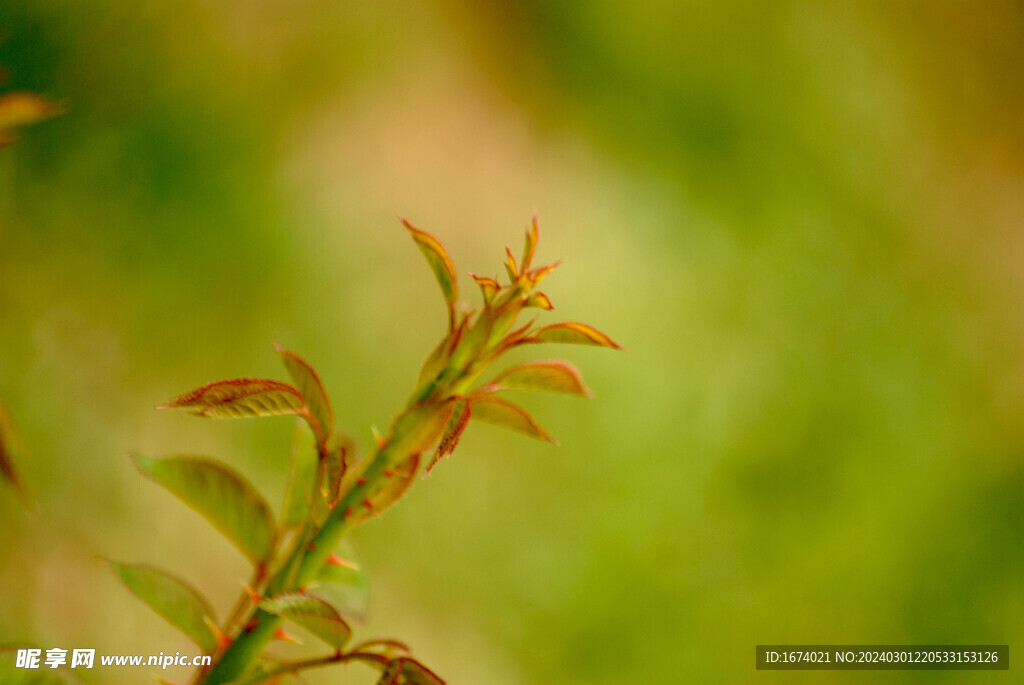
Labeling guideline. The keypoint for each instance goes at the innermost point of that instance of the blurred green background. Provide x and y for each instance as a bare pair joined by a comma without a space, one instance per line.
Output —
803,219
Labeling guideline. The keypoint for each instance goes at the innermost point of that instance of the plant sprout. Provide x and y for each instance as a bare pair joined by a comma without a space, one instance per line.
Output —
295,555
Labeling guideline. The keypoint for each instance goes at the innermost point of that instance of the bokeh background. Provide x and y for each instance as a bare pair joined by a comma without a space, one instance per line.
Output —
803,219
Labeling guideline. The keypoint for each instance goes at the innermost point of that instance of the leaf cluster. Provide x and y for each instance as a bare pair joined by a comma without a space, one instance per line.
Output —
298,577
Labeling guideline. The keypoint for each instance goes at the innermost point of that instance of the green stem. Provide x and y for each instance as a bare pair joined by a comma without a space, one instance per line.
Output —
409,431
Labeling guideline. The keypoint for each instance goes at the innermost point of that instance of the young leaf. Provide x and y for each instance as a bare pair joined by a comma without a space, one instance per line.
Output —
312,389
535,276
440,263
499,412
335,464
10,444
452,432
548,376
301,478
576,333
532,236
396,484
221,496
313,614
510,266
539,300
407,671
172,598
241,398
488,286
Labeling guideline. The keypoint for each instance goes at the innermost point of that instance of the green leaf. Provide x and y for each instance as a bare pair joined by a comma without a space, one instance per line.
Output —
575,333
172,598
499,412
312,388
548,376
220,495
301,478
407,671
241,398
313,614
394,485
440,263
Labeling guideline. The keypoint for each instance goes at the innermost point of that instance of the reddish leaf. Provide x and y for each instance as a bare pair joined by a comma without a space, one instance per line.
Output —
499,412
547,376
440,263
453,431
513,338
537,275
407,671
576,333
488,286
539,300
532,236
510,265
320,414
241,398
335,465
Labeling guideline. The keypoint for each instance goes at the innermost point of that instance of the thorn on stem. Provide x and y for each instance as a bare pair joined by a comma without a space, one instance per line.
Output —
335,560
253,595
